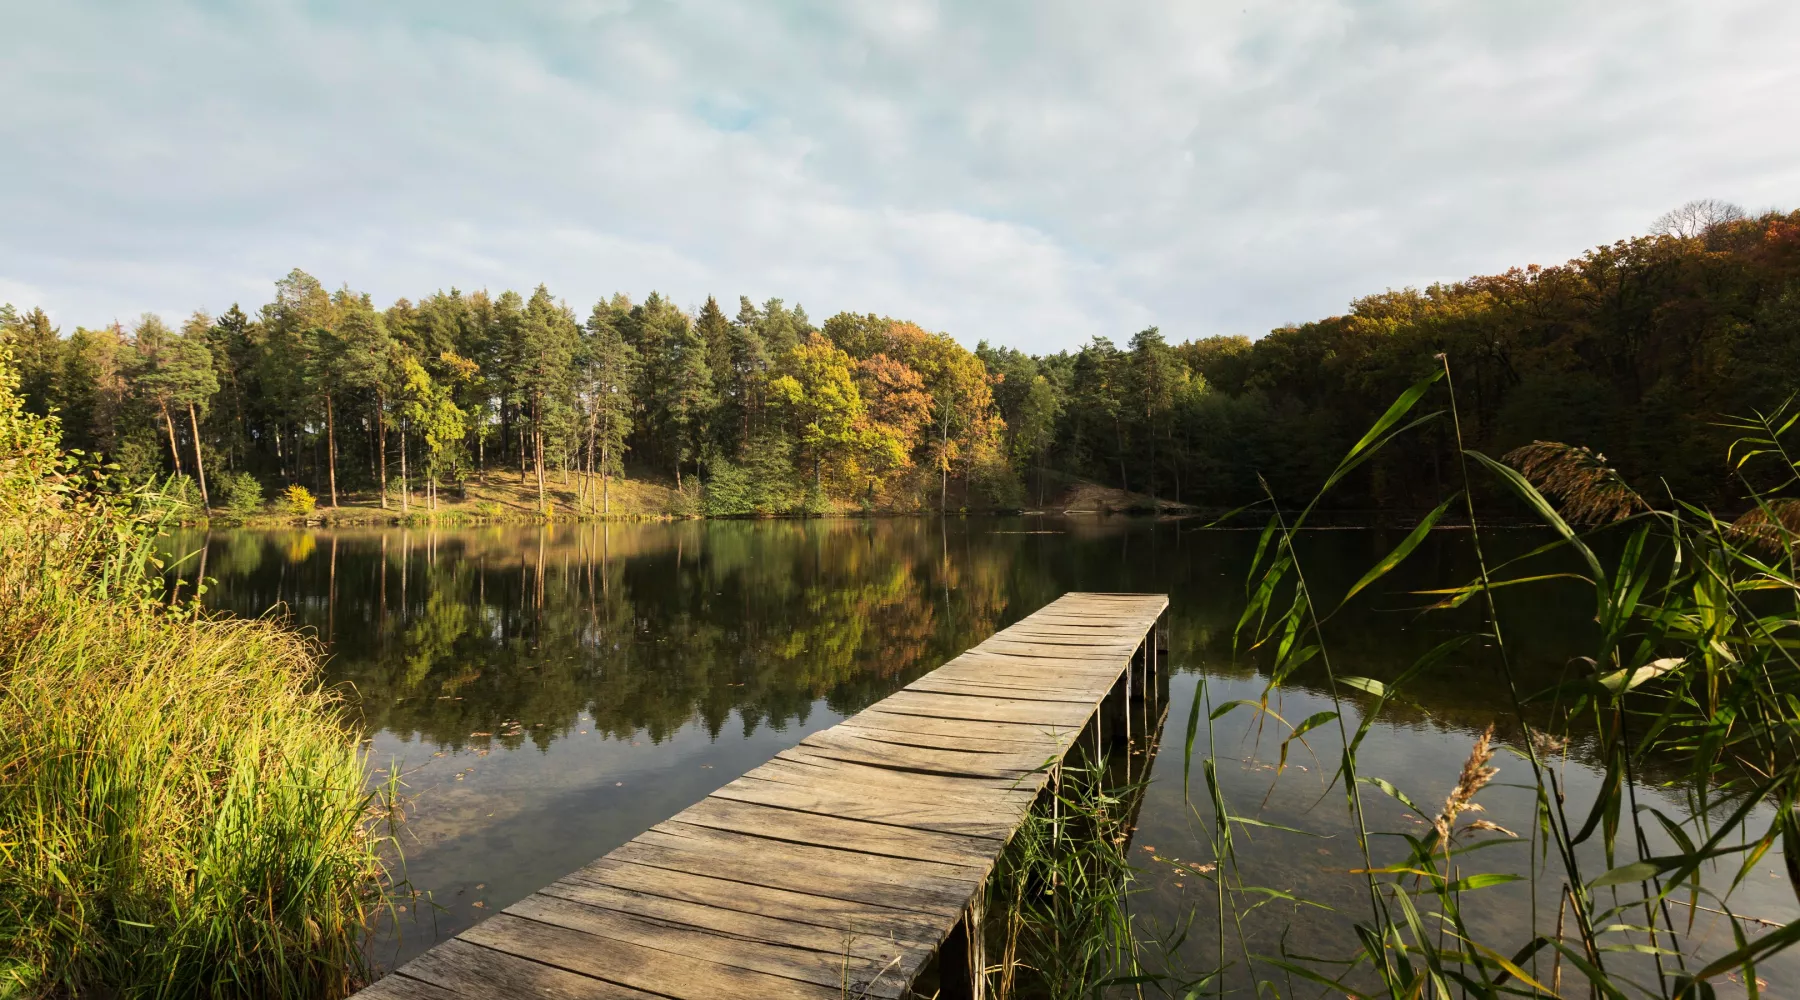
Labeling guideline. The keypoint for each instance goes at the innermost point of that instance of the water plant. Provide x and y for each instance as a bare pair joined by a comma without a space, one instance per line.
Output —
1691,676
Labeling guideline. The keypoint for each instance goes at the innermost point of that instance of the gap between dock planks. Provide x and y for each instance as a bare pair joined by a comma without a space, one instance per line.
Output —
836,869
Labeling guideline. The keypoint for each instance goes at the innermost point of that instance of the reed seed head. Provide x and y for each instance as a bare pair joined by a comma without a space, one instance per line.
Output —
1475,775
1590,491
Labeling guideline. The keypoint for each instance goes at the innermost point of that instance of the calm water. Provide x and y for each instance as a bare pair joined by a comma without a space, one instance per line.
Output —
548,693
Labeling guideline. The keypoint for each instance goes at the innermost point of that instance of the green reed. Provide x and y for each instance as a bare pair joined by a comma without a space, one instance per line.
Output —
182,807
1693,667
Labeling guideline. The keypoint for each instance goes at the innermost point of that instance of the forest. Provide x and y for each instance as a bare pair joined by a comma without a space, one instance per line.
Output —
1635,350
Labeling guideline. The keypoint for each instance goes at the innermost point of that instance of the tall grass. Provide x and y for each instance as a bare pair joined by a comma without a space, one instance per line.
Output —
1059,922
182,806
1693,671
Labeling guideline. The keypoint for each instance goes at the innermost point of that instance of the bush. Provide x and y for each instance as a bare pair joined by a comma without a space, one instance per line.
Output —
762,485
181,494
240,493
299,500
489,509
729,491
687,501
817,503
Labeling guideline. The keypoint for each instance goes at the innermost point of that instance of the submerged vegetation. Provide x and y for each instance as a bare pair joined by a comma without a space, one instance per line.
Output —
183,810
1628,349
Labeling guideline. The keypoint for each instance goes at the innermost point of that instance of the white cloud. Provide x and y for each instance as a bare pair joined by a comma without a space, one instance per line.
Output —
1028,173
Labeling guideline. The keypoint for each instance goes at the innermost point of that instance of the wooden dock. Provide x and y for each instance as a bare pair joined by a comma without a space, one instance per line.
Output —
837,869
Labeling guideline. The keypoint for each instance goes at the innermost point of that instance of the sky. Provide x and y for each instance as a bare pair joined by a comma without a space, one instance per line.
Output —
1028,173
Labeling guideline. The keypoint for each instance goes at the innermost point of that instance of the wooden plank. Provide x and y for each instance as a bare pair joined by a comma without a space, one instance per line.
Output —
980,819
800,770
844,916
669,950
1024,732
996,687
849,858
774,823
798,766
470,970
945,741
944,706
941,760
805,869
873,940
634,966
399,987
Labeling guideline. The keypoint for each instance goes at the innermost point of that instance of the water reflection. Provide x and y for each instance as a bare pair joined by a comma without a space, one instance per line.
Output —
550,692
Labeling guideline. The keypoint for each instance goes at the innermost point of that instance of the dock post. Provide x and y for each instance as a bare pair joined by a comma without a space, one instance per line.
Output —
962,959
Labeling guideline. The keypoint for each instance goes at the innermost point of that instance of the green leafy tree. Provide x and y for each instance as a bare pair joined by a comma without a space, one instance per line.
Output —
817,389
1034,425
430,408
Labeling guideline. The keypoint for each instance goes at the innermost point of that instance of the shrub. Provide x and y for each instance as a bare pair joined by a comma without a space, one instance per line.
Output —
729,491
686,501
299,500
762,485
240,493
181,494
489,508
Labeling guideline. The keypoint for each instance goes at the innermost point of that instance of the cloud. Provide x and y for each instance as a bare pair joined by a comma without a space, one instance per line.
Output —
1028,173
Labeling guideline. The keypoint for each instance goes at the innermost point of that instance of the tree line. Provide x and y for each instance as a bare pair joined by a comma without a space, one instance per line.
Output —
1634,349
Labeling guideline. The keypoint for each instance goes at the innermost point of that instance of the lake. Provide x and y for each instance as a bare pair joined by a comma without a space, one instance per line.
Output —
547,693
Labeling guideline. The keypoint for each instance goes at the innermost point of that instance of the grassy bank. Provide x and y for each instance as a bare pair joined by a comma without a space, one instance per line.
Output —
182,807
504,498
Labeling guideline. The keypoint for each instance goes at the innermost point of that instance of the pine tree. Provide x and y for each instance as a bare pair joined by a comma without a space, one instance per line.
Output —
609,368
361,363
39,354
724,424
686,393
543,368
1156,376
174,372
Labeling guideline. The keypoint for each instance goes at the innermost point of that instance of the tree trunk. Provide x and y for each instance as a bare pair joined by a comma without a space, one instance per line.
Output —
944,463
331,450
606,477
174,450
405,489
199,463
1152,476
381,437
1119,430
537,447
